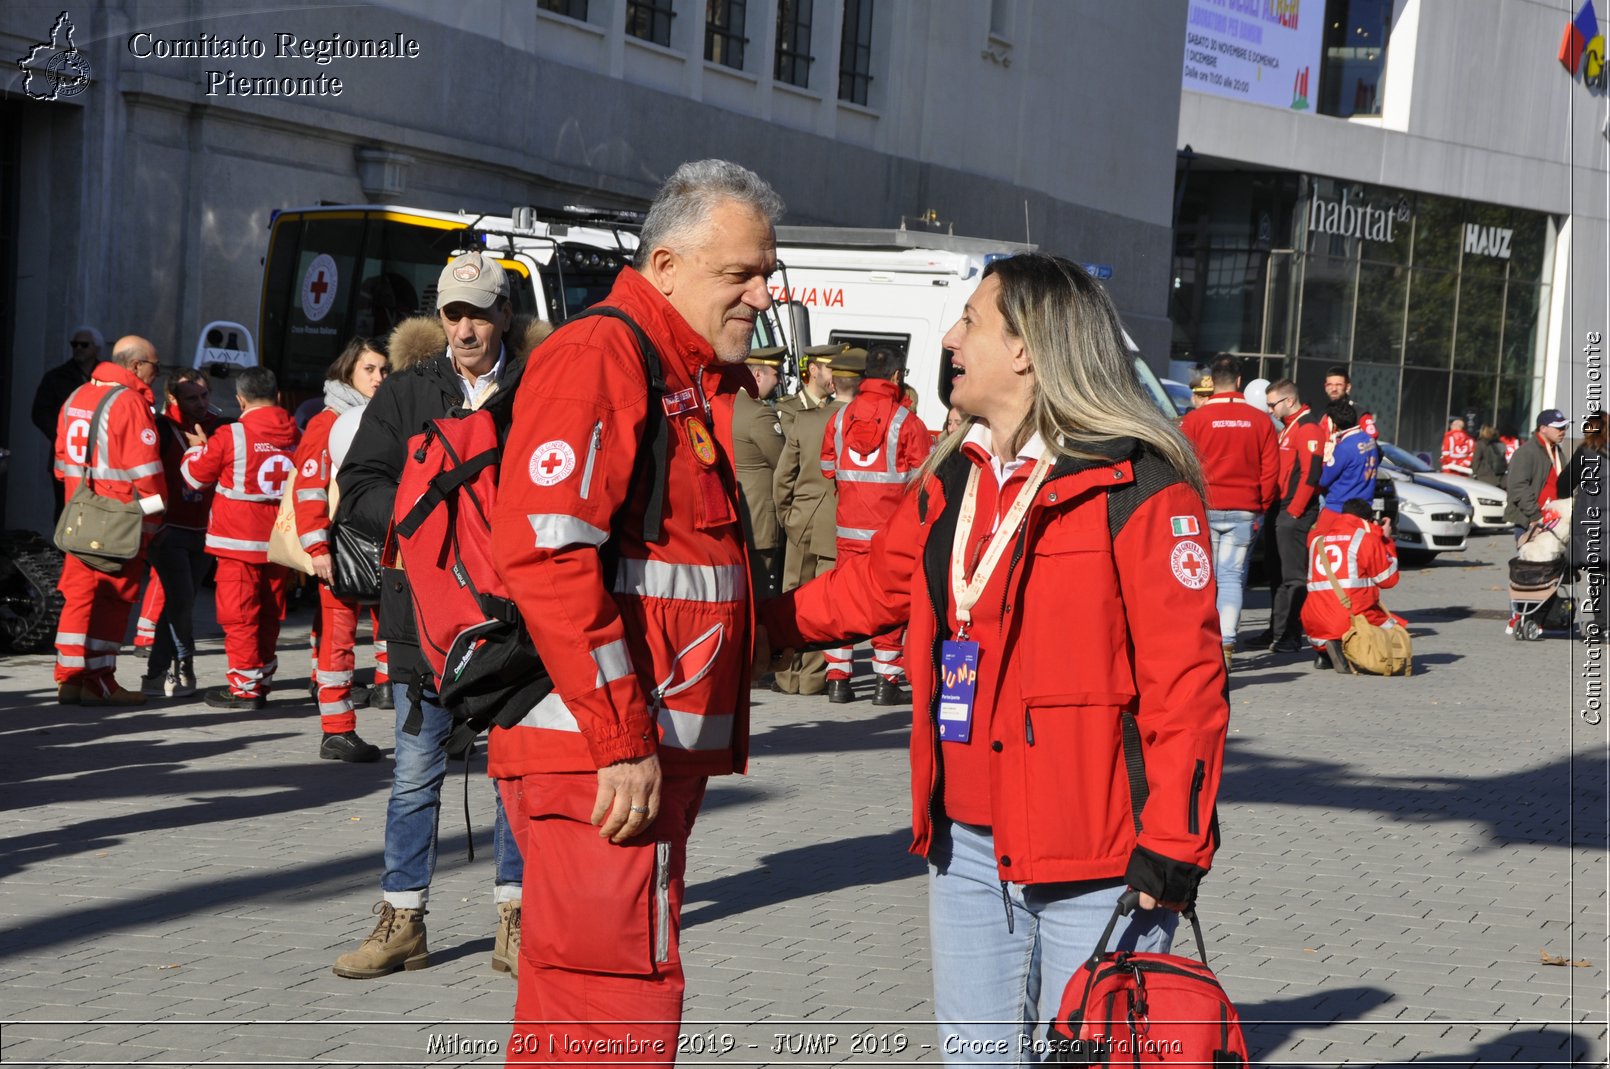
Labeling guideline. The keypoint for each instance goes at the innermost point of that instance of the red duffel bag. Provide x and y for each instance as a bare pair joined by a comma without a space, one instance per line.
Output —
1130,1008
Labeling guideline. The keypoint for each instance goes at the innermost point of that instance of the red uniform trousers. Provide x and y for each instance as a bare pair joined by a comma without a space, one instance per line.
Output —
94,617
145,628
600,924
333,659
887,648
251,604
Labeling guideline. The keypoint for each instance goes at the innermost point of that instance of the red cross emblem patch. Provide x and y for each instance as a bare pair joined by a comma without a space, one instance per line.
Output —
552,462
1190,563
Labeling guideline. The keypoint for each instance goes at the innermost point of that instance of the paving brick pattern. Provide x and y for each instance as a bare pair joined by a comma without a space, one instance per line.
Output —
1398,857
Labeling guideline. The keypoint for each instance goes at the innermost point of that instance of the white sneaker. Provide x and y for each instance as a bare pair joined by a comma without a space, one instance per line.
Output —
1509,628
181,682
152,686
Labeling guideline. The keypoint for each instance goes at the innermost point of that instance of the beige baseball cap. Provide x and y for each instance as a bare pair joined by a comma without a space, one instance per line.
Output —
472,278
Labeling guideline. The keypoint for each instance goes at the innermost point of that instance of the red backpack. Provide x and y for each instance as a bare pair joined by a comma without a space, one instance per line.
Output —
486,668
1133,1008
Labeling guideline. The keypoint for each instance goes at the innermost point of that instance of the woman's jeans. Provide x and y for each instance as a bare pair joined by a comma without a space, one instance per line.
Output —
179,557
992,986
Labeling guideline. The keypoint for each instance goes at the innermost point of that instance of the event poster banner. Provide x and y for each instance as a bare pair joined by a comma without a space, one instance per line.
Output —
1262,51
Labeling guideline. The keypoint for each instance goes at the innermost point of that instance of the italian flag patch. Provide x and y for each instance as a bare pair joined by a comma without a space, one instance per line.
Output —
1183,525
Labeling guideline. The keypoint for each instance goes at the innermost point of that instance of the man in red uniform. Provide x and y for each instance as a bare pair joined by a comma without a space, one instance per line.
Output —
248,461
1241,465
120,454
647,633
1458,449
1361,555
1302,458
870,451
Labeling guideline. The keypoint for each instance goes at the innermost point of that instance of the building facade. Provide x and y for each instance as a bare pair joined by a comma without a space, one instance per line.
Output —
1425,204
144,149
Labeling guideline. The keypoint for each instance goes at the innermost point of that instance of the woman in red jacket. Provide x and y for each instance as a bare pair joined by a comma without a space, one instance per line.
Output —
1052,559
350,382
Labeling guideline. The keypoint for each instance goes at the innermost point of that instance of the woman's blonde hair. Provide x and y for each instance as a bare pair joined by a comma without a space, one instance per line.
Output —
1086,391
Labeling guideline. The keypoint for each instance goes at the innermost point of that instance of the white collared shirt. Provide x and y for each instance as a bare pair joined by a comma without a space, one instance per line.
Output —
476,392
1032,451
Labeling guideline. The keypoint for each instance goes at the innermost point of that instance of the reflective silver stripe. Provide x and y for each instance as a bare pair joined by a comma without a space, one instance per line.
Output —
613,661
556,530
144,624
218,542
238,433
857,534
681,582
69,638
1391,570
152,505
313,495
252,674
125,475
551,713
67,660
886,656
856,475
184,467
332,679
102,644
692,731
828,468
101,662
238,495
335,708
1345,584
310,540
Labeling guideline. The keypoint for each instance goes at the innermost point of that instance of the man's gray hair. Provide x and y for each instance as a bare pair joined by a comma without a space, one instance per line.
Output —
685,202
95,335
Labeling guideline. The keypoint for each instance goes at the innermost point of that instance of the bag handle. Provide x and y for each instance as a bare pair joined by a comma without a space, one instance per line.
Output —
1128,902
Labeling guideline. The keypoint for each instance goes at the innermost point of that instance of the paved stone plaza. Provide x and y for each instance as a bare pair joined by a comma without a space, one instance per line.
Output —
1399,856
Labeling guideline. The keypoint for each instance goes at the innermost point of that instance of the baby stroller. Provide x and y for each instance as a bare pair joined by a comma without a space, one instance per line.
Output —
1535,574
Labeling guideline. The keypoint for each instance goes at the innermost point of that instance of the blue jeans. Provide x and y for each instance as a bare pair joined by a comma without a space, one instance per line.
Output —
1231,531
415,808
178,556
993,986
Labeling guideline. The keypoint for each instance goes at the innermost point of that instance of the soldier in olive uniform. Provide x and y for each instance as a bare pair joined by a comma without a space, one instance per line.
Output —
757,442
807,501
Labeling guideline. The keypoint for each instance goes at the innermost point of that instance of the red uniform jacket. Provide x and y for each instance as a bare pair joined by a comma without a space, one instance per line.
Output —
248,462
127,463
312,467
187,507
870,451
656,660
1240,458
1458,450
1363,559
1145,638
1302,458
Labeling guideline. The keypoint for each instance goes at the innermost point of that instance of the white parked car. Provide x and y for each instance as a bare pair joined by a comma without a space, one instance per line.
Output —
1429,521
1484,500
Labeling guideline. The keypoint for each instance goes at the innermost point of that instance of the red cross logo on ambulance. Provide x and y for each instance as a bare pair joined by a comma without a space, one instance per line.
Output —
272,473
552,462
318,287
78,440
1190,563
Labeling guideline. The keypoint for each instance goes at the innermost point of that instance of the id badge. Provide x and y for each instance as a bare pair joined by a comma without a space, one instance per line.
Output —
958,681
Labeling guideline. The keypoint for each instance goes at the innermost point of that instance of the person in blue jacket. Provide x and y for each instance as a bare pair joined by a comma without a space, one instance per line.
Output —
1350,459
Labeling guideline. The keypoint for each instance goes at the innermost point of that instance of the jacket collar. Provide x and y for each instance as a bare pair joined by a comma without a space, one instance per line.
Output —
665,324
118,375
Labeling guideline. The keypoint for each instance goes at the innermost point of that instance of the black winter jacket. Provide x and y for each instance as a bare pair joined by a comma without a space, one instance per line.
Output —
368,478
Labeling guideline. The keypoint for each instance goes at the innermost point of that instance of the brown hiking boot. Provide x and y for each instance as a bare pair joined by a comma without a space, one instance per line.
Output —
398,942
110,692
68,693
506,944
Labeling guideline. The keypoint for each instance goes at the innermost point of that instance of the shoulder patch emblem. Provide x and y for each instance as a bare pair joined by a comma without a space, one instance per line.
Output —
777,428
310,468
1181,526
552,462
1190,563
148,436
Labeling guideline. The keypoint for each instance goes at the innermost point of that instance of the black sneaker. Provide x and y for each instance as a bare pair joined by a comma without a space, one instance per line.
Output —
380,697
839,691
1261,639
1286,645
890,693
346,746
224,698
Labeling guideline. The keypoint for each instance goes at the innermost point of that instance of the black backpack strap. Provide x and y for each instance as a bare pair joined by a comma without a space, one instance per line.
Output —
443,487
657,429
